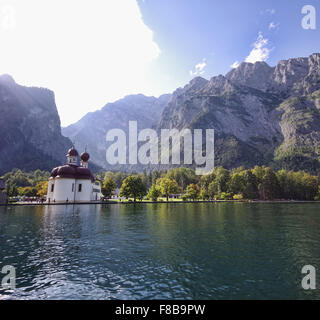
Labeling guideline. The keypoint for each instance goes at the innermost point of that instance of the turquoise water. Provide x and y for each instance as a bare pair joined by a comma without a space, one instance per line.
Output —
160,251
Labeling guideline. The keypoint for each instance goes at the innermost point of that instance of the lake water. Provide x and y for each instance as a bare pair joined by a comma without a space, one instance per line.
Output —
160,251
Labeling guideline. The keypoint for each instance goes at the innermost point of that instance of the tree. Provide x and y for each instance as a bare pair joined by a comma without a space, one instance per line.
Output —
250,189
42,188
117,177
154,193
192,192
108,186
237,183
205,181
284,185
167,186
225,196
258,172
11,189
27,191
238,196
269,186
317,197
213,189
222,179
133,187
183,176
310,184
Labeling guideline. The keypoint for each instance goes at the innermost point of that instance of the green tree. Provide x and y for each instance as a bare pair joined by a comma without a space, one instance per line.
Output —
133,187
154,193
238,196
167,186
213,189
192,192
183,176
310,184
269,187
11,189
117,177
222,178
205,181
317,197
258,172
108,186
237,183
225,196
250,185
28,191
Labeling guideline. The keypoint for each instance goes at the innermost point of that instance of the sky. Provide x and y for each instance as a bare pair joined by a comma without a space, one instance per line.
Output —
94,52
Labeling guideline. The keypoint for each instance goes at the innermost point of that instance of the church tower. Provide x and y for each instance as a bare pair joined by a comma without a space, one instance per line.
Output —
72,157
84,159
73,183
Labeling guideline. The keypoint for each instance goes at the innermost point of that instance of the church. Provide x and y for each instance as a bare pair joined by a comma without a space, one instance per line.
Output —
73,182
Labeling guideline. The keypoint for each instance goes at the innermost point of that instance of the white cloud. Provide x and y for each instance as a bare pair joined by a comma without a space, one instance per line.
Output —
88,52
259,52
273,25
235,65
199,68
271,11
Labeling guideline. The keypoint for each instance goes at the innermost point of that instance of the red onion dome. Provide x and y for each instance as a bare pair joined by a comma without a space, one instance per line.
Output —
66,172
85,156
72,172
54,172
72,152
83,173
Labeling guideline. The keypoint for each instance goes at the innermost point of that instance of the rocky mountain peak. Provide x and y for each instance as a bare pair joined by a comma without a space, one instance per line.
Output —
6,79
195,84
218,86
287,72
29,128
255,75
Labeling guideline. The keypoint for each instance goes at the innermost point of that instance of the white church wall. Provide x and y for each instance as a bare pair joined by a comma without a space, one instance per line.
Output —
86,190
63,189
50,194
66,189
96,191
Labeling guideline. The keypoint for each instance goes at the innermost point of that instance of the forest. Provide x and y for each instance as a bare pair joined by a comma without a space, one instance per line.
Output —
258,183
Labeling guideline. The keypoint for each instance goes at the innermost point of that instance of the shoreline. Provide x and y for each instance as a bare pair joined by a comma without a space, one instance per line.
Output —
157,202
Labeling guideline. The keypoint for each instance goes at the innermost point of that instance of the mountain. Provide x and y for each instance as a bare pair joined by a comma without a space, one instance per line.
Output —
261,114
29,128
91,130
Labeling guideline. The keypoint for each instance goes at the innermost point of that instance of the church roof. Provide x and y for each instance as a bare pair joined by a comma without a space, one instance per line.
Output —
72,152
72,172
85,156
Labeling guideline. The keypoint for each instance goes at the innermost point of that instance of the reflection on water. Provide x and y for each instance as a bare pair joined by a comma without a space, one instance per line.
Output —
160,251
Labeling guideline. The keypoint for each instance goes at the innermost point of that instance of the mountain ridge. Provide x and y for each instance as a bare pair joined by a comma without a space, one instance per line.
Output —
249,111
261,115
30,128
